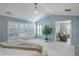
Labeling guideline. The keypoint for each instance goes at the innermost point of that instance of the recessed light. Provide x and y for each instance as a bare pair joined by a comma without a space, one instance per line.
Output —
67,10
8,12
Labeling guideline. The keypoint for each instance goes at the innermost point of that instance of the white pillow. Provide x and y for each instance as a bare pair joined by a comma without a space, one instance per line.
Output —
14,42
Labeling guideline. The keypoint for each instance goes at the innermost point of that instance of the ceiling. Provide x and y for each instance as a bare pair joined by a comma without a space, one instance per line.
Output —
26,10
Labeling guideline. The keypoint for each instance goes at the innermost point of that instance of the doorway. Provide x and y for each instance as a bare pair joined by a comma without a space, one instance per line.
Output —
63,31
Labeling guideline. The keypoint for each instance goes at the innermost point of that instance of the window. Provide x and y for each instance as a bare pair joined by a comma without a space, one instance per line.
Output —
39,29
20,30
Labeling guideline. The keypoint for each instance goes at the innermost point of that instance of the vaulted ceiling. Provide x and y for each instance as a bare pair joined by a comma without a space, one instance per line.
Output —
26,10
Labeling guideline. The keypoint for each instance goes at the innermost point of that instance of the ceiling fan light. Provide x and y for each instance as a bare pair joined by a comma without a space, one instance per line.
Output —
35,12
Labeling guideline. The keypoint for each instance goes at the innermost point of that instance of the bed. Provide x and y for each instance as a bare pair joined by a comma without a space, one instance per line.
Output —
17,47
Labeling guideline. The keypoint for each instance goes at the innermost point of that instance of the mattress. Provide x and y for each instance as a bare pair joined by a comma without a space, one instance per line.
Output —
18,45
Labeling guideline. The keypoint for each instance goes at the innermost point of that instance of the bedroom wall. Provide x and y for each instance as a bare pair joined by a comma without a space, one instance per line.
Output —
50,20
3,26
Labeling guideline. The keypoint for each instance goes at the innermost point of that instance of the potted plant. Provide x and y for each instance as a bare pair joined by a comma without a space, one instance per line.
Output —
46,31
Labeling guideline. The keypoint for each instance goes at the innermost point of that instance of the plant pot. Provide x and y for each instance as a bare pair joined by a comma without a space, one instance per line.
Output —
46,39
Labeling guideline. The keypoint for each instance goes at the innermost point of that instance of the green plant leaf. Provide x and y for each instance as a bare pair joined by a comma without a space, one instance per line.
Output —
47,30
